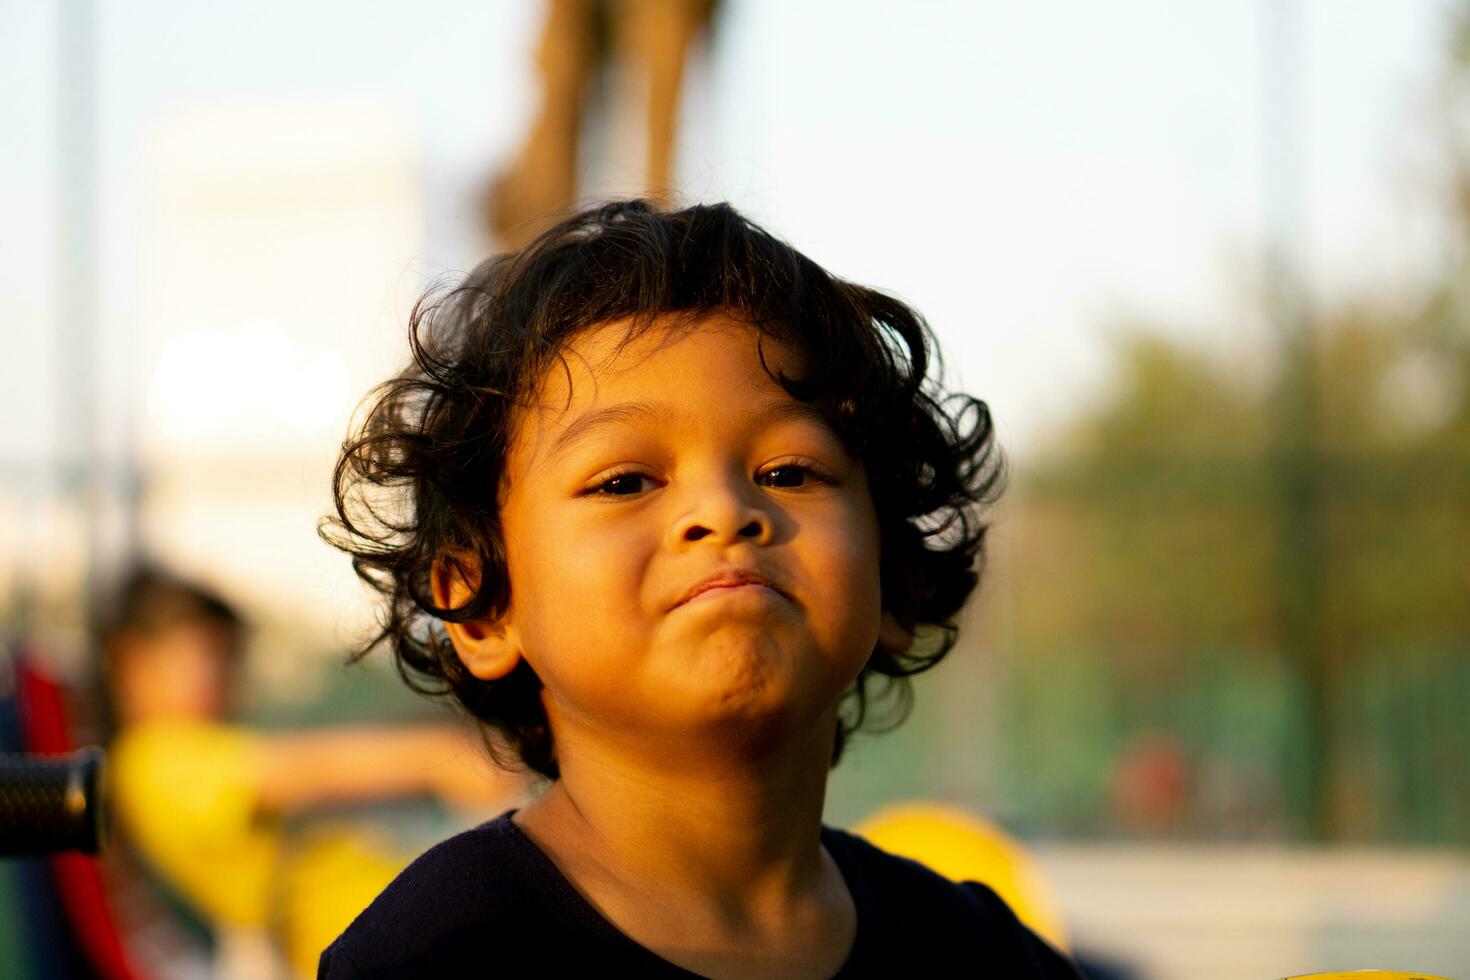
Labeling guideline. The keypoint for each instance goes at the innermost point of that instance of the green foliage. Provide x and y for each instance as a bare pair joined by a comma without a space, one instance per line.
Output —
1167,396
1313,519
1165,500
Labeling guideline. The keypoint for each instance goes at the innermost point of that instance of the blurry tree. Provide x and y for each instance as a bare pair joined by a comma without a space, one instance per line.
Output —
1318,519
1155,501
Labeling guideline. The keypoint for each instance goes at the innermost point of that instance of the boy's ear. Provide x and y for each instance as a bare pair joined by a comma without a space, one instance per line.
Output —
488,649
892,636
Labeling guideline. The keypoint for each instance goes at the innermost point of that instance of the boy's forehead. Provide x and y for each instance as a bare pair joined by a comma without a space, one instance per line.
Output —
621,367
623,358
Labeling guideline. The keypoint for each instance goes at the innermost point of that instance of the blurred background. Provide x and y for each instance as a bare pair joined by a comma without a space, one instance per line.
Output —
1207,262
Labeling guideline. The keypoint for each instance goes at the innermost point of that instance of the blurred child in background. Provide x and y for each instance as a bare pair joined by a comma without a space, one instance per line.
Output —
201,800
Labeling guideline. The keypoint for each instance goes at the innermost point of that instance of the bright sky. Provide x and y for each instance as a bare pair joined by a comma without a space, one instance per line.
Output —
1023,173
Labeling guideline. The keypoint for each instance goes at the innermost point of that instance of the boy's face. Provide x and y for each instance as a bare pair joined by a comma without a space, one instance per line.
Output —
645,474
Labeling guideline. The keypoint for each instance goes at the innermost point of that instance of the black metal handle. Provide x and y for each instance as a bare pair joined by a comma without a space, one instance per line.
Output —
52,803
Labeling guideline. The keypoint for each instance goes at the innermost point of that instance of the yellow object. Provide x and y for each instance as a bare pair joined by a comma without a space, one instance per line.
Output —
1367,975
187,794
330,878
962,846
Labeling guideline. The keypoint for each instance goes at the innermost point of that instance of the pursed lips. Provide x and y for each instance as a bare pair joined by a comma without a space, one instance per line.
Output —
729,580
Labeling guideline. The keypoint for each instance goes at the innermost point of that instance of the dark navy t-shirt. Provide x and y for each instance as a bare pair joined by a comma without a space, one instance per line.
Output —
490,903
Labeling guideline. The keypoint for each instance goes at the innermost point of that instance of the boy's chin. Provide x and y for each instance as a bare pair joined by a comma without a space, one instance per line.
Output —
755,698
738,667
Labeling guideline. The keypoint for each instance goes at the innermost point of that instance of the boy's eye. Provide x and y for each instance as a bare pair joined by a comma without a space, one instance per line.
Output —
788,475
623,485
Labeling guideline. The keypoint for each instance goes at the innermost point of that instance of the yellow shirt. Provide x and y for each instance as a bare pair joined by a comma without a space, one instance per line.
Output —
188,794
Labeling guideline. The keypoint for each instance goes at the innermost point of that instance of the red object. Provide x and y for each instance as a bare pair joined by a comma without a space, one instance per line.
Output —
83,895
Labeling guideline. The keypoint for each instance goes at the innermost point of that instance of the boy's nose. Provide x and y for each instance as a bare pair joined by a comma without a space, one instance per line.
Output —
724,518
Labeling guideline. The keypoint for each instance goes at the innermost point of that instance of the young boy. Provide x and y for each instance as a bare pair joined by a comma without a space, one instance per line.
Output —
677,497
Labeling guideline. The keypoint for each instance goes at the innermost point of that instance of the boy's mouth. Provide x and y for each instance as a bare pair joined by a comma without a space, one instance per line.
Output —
731,578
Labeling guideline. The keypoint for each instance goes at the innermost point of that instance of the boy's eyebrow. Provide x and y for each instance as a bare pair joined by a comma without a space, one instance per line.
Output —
660,413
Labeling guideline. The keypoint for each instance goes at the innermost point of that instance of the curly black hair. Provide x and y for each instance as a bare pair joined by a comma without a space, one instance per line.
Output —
409,487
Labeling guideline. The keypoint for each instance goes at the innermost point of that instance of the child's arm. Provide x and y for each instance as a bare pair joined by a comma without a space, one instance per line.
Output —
340,765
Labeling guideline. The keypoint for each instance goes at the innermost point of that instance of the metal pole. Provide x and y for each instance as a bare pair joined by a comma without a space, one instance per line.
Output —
76,378
1300,540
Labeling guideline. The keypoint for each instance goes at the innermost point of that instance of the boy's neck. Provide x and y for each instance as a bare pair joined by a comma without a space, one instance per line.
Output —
724,851
715,822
